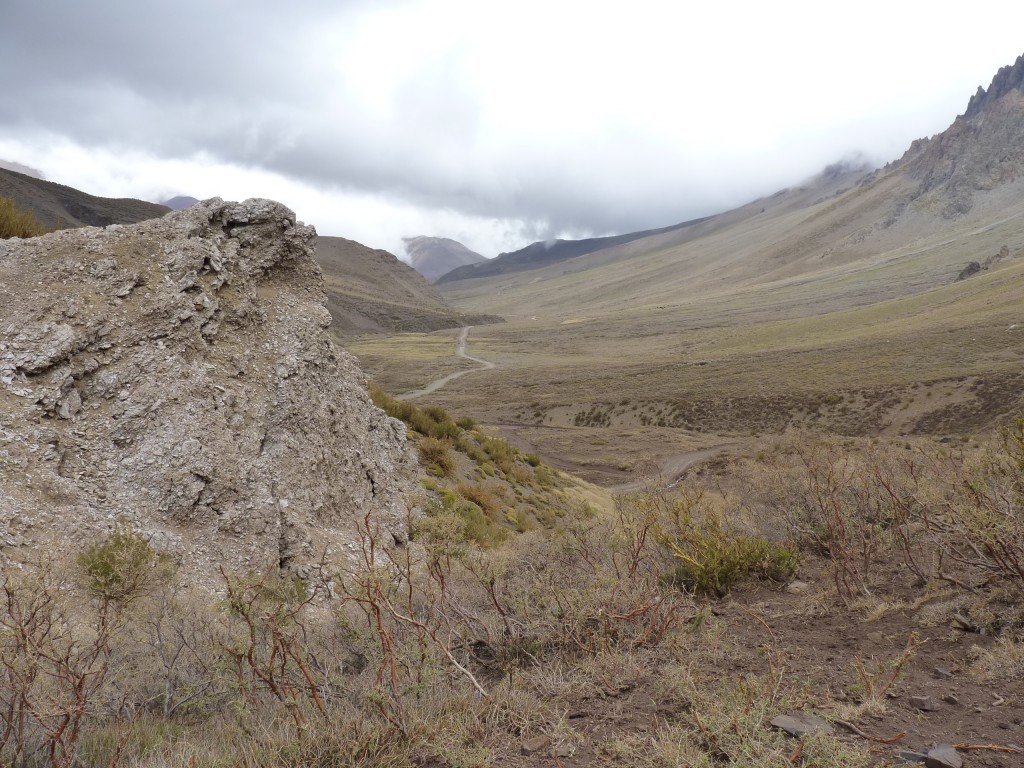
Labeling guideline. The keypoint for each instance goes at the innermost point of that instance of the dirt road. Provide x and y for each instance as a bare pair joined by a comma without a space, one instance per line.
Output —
460,351
670,468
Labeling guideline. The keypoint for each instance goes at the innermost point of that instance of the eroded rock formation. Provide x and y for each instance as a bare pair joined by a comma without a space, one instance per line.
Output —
178,374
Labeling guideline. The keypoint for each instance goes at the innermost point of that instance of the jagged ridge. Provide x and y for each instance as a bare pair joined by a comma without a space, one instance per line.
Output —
1008,78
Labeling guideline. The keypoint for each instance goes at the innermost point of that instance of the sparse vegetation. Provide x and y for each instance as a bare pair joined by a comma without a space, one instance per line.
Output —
122,566
494,487
469,640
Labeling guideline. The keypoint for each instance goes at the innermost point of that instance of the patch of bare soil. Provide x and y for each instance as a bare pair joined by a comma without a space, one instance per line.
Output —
837,655
891,678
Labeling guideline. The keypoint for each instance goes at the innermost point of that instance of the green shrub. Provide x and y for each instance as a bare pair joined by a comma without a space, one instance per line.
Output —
121,567
712,560
474,525
714,566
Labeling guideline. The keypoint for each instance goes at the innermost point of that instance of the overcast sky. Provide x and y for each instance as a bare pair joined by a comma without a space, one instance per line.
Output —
492,123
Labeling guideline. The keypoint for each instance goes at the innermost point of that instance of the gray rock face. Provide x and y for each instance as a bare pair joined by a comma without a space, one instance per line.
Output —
1008,78
178,374
980,152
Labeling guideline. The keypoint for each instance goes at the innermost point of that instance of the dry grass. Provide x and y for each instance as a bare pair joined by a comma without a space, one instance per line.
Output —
17,223
1002,662
944,361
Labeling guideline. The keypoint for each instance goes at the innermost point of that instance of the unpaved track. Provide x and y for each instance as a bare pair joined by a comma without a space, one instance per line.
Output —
670,471
460,351
670,468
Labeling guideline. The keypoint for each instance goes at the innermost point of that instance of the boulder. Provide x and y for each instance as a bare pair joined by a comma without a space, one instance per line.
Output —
178,375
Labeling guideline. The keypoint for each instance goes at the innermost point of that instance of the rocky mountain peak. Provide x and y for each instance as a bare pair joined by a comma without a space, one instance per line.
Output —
178,374
1008,78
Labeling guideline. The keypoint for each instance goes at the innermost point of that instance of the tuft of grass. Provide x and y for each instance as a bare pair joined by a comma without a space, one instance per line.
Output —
487,497
15,222
1002,661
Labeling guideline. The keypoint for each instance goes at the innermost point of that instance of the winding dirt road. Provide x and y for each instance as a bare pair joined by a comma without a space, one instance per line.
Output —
670,468
460,351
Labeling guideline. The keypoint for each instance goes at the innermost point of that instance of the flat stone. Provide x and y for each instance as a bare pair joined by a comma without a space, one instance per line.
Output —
949,698
797,587
536,744
923,703
942,673
964,623
943,756
800,724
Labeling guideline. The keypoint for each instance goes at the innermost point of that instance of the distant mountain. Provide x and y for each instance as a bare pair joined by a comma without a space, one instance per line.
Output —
895,294
952,199
60,207
10,165
432,257
541,254
371,291
179,203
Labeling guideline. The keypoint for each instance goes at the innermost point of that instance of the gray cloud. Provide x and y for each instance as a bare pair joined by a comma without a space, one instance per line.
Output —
572,130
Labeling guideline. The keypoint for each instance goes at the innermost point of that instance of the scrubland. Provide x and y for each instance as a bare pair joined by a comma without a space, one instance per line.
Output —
661,628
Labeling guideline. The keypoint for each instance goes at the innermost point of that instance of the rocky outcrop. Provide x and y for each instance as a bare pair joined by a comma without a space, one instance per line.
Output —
981,152
1008,78
178,374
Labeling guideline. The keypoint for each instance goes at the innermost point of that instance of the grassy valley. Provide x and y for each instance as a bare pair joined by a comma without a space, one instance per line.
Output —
767,321
744,491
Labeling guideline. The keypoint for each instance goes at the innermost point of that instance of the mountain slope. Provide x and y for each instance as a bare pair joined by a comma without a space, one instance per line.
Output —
10,165
969,179
433,257
371,291
60,207
837,304
547,252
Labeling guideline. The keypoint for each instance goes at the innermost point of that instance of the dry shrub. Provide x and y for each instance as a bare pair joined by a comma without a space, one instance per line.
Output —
55,657
950,514
436,456
17,223
489,497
